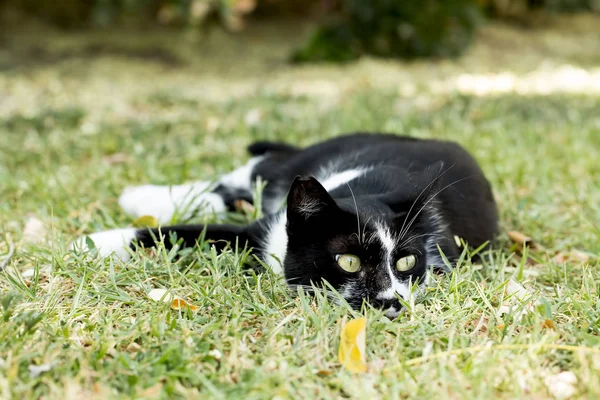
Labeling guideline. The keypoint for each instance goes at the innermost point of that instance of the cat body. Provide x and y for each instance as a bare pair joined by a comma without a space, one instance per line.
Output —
371,214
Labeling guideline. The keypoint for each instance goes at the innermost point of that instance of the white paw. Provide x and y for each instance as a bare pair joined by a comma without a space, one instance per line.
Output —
114,242
164,202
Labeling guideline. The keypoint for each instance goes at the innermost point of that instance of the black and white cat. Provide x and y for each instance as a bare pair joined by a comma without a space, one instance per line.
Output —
368,213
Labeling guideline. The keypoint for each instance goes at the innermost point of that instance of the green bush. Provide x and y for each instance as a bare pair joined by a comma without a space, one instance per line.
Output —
394,28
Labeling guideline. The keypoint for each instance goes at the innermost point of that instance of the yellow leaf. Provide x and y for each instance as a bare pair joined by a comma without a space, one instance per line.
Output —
178,304
145,221
352,353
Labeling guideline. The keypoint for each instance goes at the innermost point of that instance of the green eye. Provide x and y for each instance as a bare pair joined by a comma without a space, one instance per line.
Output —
406,263
348,262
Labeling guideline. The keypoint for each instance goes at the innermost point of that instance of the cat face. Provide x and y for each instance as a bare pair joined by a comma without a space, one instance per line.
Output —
370,250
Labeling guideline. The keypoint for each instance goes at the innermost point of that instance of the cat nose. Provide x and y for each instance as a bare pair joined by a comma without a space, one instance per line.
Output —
392,307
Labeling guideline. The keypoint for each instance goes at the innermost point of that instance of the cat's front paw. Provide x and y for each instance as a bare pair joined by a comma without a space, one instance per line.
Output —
166,202
111,243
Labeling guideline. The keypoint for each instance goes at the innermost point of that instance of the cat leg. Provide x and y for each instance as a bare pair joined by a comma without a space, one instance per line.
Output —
187,200
120,242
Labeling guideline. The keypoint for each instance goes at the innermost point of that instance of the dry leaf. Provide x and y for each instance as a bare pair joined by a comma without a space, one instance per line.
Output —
199,10
216,354
253,117
580,255
516,295
160,295
212,124
573,255
562,385
352,351
458,241
34,231
37,370
177,303
549,324
116,158
323,372
152,392
520,238
180,304
244,6
244,206
146,221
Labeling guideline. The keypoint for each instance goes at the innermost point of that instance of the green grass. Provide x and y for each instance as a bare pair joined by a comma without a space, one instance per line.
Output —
73,134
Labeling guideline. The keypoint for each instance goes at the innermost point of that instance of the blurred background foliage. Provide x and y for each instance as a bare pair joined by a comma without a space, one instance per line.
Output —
345,29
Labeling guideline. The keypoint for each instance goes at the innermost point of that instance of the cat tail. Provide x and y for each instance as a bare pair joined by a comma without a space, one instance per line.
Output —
262,148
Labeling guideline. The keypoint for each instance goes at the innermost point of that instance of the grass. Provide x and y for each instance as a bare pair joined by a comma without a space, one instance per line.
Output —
74,132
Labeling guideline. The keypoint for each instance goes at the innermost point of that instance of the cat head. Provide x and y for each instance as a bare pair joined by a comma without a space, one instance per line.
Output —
371,248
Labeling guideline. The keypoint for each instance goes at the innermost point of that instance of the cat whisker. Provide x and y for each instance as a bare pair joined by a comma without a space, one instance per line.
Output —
414,237
402,231
430,200
357,215
372,236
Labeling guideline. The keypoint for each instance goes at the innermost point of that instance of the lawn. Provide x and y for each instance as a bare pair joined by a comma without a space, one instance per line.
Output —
82,117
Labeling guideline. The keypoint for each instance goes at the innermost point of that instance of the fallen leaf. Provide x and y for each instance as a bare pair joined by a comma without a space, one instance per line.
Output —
160,295
212,124
179,304
458,241
152,392
549,324
37,370
569,256
199,10
116,158
517,290
352,351
520,238
244,6
216,354
133,347
244,206
516,295
145,221
253,117
580,255
562,385
34,230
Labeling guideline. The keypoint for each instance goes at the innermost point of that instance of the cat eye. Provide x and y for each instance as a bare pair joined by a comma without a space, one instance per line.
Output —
348,262
406,263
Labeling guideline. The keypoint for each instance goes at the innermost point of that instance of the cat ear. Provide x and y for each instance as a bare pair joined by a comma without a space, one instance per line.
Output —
307,198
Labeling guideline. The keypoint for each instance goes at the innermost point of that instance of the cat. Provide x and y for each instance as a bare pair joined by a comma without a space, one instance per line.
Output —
371,214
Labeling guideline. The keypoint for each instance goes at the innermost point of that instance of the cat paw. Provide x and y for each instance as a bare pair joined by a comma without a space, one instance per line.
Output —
165,202
111,243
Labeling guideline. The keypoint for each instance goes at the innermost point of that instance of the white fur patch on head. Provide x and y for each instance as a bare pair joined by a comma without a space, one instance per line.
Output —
114,242
389,243
164,202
